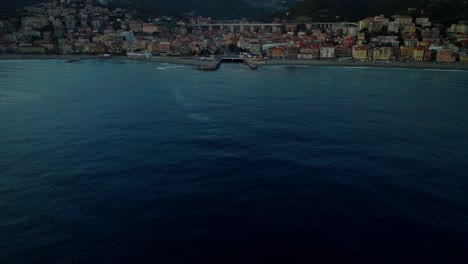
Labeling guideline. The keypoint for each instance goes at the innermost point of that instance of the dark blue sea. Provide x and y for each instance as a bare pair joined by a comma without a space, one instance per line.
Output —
138,162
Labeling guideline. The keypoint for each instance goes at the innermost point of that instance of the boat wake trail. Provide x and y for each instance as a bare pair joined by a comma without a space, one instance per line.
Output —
190,109
168,66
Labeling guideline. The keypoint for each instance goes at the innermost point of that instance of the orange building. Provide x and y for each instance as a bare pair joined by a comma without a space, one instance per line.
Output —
445,55
406,52
277,52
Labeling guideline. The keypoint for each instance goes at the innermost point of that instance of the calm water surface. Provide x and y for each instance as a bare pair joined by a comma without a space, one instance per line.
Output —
134,162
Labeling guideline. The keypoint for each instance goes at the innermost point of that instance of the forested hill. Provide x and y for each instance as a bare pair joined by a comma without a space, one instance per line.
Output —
445,11
213,8
438,10
9,5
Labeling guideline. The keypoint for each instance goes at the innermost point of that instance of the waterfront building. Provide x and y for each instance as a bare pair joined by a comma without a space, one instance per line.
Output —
463,56
31,49
327,53
418,54
314,51
406,52
381,54
276,52
360,53
445,55
291,52
343,52
304,56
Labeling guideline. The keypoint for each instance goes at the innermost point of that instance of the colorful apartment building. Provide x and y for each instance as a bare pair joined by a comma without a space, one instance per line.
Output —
445,55
406,52
360,53
327,53
382,54
418,54
463,56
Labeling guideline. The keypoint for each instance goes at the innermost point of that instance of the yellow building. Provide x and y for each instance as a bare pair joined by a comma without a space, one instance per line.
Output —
404,20
406,52
409,29
459,28
360,53
418,54
424,43
381,54
27,49
463,55
363,24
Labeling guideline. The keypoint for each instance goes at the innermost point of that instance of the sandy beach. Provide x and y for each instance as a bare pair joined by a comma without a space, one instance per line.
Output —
192,61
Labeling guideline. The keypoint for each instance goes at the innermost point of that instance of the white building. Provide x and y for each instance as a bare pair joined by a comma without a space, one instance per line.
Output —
327,53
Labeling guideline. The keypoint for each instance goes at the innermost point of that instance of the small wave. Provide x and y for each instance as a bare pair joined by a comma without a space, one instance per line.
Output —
171,66
394,68
198,117
443,70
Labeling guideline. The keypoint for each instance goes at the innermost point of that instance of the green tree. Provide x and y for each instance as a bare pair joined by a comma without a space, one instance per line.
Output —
232,47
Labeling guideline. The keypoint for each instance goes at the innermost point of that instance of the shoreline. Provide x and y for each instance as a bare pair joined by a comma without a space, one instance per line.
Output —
400,65
191,61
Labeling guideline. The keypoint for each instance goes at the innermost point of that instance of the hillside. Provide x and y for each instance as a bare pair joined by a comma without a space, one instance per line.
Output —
439,10
445,11
213,8
12,5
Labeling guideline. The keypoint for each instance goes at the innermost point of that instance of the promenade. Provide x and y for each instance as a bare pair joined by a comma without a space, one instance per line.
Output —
255,63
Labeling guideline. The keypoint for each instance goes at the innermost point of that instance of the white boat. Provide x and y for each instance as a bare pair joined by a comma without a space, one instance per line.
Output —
139,55
105,56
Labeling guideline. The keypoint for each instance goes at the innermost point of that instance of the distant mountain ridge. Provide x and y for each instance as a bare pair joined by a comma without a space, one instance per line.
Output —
213,8
438,10
12,5
445,11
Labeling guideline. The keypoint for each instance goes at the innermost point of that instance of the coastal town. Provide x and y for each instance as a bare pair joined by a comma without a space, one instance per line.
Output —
94,28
